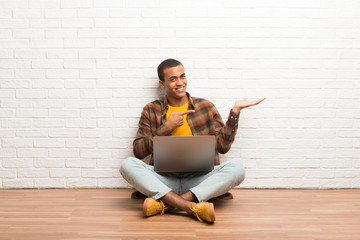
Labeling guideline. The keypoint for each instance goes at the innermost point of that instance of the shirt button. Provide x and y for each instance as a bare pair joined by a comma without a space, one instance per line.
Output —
233,130
232,116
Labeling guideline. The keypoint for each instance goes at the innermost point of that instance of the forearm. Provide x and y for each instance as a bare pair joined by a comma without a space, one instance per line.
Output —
226,133
143,143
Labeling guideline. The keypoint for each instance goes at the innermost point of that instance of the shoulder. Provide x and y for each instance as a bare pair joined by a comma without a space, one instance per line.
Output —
153,106
202,102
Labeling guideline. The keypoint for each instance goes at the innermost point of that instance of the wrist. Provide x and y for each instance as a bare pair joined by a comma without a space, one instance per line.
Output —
236,110
168,126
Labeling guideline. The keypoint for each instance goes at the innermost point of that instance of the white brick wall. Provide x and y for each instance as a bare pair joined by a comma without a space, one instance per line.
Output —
74,76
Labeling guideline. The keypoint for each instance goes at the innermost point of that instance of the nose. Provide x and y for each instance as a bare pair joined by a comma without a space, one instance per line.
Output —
178,81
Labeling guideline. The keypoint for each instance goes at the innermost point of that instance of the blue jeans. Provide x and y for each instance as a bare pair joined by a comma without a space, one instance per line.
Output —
203,185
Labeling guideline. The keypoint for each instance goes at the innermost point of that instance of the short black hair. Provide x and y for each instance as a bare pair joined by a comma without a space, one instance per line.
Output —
168,63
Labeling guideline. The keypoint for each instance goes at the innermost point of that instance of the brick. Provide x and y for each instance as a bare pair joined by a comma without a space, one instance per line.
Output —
60,33
64,73
15,123
80,143
6,113
125,12
93,13
11,24
96,133
32,132
48,103
109,3
112,183
87,153
77,4
63,113
95,74
8,173
5,13
61,13
5,53
112,103
32,152
49,143
111,63
5,74
43,64
26,74
113,123
17,163
44,3
31,113
64,133
33,33
81,183
109,43
109,163
80,103
63,53
95,93
31,93
84,123
78,64
49,163
64,94
96,173
48,84
76,163
18,183
65,172
77,23
77,84
85,33
123,143
64,153
33,172
93,53
96,113
50,183
46,43
19,142
78,43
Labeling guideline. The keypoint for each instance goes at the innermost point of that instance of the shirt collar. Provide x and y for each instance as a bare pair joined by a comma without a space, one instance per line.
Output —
164,102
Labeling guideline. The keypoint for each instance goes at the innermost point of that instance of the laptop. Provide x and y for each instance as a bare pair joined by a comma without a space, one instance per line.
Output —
184,153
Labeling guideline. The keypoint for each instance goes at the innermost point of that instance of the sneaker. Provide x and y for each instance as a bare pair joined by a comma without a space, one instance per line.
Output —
153,207
204,210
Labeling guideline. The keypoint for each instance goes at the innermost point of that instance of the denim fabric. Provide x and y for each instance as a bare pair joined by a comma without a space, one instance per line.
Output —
203,185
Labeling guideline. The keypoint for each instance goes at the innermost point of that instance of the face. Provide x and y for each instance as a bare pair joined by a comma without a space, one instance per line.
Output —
174,82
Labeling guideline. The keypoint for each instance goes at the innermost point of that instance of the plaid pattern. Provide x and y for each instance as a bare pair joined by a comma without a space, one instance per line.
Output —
206,120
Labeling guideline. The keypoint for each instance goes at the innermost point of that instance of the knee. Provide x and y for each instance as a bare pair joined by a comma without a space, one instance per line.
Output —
127,165
238,171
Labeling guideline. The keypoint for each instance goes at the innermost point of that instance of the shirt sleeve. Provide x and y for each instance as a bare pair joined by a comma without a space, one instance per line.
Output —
225,133
143,143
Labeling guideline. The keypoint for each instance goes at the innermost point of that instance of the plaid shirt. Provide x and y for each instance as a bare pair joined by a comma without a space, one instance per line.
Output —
206,120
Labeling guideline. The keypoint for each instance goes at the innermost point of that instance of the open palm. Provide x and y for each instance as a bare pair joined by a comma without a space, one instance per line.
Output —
246,103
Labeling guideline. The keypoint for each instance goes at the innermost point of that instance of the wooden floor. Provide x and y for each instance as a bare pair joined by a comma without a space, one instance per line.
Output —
111,214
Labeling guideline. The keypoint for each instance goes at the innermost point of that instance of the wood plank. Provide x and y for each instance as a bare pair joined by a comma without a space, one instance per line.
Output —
75,214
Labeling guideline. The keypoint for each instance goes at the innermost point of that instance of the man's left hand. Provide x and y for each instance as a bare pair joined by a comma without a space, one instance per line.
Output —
240,104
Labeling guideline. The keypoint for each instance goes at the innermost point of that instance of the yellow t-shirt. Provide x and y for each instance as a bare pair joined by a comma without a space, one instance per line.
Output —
183,130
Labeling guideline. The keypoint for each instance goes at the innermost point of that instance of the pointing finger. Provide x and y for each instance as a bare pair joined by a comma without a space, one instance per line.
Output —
186,112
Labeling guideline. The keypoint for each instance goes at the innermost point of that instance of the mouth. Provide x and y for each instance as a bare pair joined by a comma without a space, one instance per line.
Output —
180,89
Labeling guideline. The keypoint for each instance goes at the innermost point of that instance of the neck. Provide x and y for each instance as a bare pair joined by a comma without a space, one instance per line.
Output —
177,102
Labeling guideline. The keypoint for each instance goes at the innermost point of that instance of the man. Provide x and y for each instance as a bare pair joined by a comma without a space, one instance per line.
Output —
179,114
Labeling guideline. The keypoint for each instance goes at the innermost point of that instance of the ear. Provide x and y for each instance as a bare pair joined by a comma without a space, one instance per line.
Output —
161,83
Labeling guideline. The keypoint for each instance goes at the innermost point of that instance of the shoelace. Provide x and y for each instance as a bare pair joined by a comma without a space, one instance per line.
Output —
162,207
196,211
